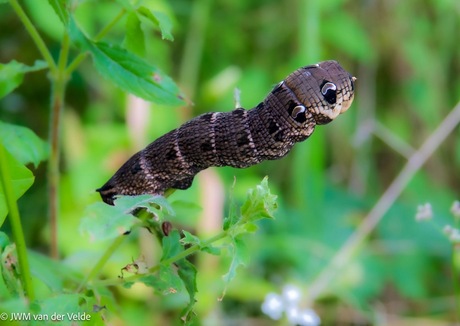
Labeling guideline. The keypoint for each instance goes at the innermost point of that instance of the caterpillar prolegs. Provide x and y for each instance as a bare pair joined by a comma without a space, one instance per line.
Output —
310,96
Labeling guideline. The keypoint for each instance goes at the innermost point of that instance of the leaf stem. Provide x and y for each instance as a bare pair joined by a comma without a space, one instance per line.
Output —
78,59
102,261
168,261
34,34
106,256
109,26
16,225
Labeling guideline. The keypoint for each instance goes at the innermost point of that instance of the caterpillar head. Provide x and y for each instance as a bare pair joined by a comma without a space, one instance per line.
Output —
324,89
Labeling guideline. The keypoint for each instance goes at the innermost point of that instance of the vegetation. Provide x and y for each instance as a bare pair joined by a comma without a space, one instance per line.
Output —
367,219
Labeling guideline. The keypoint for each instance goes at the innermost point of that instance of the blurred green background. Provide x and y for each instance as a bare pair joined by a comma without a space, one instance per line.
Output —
406,56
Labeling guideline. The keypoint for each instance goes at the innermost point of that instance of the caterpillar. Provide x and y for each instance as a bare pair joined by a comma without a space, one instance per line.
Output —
311,95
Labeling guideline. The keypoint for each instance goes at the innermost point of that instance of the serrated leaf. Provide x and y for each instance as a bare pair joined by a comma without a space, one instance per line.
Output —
128,71
187,272
171,245
159,19
134,39
232,218
259,204
166,282
212,250
60,7
239,257
190,239
104,222
21,180
153,203
23,144
12,74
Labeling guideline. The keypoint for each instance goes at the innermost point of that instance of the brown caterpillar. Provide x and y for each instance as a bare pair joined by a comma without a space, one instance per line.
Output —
310,96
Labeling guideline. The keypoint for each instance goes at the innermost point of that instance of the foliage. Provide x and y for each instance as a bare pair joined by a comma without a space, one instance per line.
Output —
352,266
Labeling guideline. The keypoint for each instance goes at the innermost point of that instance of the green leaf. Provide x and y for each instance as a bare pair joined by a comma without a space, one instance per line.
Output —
134,39
128,71
157,205
171,245
190,239
66,306
259,204
51,272
187,272
233,217
12,74
240,256
23,144
159,19
10,270
61,9
167,281
104,222
21,179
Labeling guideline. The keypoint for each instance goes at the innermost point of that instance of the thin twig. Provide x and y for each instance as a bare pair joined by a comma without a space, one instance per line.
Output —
384,203
392,140
34,34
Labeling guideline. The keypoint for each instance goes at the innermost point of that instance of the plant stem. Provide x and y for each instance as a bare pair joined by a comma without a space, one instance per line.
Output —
74,64
16,225
34,34
106,256
166,262
110,25
58,82
414,163
101,262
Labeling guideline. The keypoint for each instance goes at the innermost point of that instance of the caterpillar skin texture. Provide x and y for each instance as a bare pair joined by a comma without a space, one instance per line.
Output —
310,96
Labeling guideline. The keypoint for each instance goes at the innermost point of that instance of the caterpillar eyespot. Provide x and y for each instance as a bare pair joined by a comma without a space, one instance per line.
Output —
298,113
310,96
329,92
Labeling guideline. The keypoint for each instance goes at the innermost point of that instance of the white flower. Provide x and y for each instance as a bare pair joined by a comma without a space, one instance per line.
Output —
308,317
455,209
424,212
305,317
455,236
291,294
448,230
273,306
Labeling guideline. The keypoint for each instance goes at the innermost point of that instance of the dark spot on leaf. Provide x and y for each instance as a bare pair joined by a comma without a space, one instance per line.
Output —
156,77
